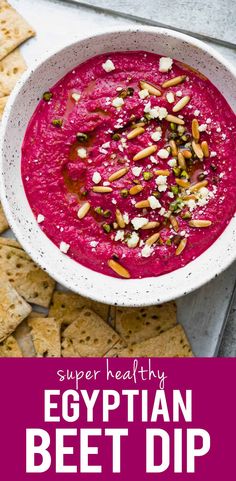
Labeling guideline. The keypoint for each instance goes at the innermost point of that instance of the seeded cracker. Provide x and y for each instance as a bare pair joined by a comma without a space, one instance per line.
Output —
10,348
138,324
28,279
66,306
172,343
88,336
14,29
45,334
3,221
11,68
13,309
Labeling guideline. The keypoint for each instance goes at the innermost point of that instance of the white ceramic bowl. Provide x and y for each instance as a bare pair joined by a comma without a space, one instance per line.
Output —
21,106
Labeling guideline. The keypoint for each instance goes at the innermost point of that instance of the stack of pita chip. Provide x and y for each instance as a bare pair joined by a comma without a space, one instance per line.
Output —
14,30
38,321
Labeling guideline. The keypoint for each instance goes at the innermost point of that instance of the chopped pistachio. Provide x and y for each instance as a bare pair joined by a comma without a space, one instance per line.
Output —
201,176
186,215
147,175
176,206
168,242
81,137
106,213
116,136
98,210
174,189
47,96
176,171
106,228
57,122
126,92
84,193
184,174
172,126
156,194
124,193
213,167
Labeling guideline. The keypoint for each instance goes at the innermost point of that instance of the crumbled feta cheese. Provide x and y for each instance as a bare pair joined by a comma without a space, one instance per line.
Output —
126,218
156,136
196,112
218,129
154,202
172,162
82,153
64,247
93,243
223,136
133,240
40,218
153,160
139,222
161,181
163,153
170,97
143,94
155,112
75,97
208,121
136,171
165,64
108,66
96,178
146,251
170,195
213,154
106,183
179,93
221,175
202,128
120,234
117,102
114,201
191,204
106,145
162,211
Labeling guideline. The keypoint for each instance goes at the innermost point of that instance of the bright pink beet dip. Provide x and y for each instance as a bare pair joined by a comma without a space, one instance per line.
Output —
58,178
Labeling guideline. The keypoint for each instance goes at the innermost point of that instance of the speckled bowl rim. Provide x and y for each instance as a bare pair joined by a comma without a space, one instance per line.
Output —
110,290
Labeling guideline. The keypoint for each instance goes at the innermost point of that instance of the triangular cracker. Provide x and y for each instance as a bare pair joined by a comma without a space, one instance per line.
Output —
10,348
3,101
7,241
88,336
13,309
29,280
45,334
172,343
11,68
116,349
140,323
3,221
14,29
66,306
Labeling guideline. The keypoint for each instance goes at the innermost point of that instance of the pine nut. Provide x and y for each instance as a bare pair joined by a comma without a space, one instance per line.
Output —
197,150
173,146
205,148
182,183
200,223
181,247
101,190
152,90
135,132
174,223
119,269
120,219
83,210
181,161
118,174
150,225
162,172
181,103
174,119
198,186
136,189
174,81
143,204
145,152
195,131
186,153
152,239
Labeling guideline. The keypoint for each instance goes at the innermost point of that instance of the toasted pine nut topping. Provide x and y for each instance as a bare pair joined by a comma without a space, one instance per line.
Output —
152,89
186,153
195,131
190,197
139,124
83,210
152,239
143,204
145,152
182,183
174,119
150,225
181,103
136,189
181,161
197,150
198,186
135,132
120,219
174,223
173,146
119,269
181,246
205,148
165,172
118,174
174,81
200,223
101,190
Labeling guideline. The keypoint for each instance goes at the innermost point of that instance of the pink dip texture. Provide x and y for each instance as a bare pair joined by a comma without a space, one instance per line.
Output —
61,167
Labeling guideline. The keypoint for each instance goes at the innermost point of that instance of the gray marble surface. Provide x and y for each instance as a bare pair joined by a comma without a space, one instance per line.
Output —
204,312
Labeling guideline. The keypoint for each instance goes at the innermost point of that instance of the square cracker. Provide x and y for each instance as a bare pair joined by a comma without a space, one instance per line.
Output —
172,343
88,336
13,309
14,29
45,332
11,68
10,348
138,324
3,221
66,306
29,280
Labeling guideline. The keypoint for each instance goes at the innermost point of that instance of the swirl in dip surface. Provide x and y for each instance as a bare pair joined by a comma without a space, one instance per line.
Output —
128,164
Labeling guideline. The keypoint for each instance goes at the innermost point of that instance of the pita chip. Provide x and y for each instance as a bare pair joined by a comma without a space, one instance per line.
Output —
14,29
13,309
3,221
10,348
45,334
11,68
